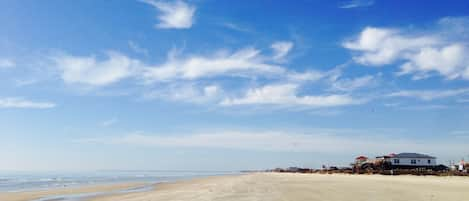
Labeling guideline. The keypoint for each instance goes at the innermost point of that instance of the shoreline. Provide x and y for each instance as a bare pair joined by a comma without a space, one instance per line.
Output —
30,195
88,192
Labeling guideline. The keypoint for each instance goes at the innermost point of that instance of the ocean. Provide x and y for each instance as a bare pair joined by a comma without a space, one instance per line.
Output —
27,181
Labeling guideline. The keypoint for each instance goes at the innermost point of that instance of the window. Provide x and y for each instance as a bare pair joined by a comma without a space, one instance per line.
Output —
396,161
429,161
413,161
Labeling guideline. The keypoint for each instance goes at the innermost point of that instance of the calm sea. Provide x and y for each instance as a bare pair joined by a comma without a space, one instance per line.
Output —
23,181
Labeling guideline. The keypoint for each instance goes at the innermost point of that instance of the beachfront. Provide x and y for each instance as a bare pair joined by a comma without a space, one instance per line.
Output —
292,187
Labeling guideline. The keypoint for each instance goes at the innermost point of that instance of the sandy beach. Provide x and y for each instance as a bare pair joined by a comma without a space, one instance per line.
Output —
314,187
285,186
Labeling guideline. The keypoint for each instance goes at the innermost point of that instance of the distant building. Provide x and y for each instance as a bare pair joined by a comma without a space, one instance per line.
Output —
361,159
461,165
411,160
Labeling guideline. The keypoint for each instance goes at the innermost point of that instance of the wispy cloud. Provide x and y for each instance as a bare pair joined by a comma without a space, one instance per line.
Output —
306,76
6,63
321,141
428,95
281,49
16,102
417,107
350,84
244,62
463,100
460,133
356,4
91,71
287,95
236,27
109,122
25,82
137,49
186,92
173,14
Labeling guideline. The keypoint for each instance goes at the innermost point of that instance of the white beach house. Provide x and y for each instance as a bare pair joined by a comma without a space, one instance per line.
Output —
411,160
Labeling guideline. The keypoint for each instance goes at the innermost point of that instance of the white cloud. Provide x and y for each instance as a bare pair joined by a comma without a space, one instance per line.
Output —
15,102
305,76
380,46
450,61
173,14
321,141
244,62
89,70
356,3
281,49
428,95
109,122
443,51
353,84
287,94
186,92
6,63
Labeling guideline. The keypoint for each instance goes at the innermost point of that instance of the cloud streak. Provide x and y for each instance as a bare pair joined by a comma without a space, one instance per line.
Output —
280,141
244,62
187,92
16,102
428,95
356,4
287,95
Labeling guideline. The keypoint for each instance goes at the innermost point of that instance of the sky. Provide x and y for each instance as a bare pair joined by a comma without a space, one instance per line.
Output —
230,85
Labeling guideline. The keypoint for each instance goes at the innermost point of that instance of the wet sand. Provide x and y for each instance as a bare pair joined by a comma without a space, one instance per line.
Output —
32,195
304,187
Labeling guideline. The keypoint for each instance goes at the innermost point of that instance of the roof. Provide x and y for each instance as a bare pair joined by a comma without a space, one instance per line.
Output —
412,155
361,158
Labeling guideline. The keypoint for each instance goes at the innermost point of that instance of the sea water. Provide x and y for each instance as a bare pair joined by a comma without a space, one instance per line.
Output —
27,181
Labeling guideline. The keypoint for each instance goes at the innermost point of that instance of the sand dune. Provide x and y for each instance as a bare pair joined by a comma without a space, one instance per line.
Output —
302,187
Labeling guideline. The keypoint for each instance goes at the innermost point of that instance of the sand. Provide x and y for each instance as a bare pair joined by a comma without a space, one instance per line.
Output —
304,187
288,187
31,195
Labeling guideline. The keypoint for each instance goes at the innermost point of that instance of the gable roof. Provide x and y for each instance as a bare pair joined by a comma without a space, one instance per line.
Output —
412,155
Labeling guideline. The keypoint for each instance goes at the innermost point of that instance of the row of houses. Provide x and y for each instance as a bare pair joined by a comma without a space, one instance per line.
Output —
401,160
402,163
398,161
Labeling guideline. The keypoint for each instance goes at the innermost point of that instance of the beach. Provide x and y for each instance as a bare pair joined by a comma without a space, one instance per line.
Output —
284,186
36,194
301,187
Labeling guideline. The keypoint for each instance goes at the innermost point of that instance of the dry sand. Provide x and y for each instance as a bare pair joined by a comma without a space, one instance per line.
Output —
290,187
304,187
31,195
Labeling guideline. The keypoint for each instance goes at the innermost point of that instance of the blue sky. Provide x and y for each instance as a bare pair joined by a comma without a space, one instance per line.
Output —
224,85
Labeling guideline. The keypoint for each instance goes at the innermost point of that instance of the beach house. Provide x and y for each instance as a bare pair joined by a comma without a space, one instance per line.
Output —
411,160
